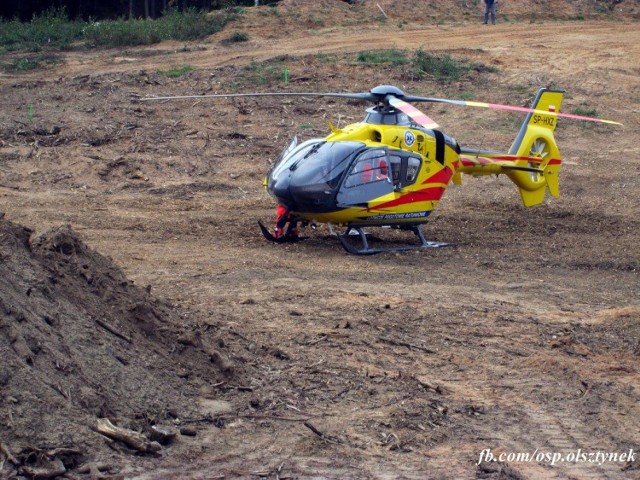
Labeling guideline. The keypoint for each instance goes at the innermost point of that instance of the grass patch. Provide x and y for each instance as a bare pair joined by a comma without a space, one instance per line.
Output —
466,95
379,57
238,37
444,68
315,21
585,111
519,88
173,25
329,58
53,30
28,63
176,72
271,11
263,73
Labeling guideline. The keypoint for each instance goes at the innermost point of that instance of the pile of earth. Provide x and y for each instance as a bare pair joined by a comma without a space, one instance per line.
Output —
318,15
520,10
512,9
79,342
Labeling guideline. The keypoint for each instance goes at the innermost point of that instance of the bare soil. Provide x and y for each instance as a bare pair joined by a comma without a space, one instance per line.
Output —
135,285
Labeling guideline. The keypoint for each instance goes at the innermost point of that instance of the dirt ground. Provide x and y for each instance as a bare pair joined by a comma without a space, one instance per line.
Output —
135,284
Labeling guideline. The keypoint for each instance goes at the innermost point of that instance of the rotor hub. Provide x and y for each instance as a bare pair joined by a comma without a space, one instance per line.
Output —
382,91
386,115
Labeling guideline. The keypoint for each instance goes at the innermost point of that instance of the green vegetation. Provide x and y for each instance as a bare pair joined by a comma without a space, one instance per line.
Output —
315,20
605,6
327,58
28,62
273,10
237,37
585,111
378,57
53,30
262,73
176,72
173,25
519,88
445,67
442,68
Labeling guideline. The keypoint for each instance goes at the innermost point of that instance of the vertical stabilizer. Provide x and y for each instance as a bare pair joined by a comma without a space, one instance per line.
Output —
535,144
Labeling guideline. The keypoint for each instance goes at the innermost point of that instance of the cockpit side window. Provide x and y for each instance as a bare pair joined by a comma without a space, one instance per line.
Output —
404,167
369,177
396,169
413,165
370,167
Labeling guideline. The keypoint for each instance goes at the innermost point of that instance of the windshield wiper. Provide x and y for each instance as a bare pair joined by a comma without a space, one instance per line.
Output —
311,151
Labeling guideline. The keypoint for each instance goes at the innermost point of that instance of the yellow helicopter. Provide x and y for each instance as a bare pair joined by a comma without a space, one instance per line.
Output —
392,168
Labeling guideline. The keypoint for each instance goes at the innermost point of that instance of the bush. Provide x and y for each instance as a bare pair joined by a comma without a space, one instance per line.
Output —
50,29
53,29
27,63
442,68
238,37
190,25
176,72
173,25
377,57
120,33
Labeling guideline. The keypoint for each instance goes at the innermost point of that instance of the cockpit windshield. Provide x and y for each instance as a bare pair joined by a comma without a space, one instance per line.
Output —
292,153
308,176
324,163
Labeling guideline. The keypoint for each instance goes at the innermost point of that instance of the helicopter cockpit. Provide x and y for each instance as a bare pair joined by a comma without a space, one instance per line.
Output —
320,176
307,177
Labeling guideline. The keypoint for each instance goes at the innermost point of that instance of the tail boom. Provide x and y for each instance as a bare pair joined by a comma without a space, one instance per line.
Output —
533,161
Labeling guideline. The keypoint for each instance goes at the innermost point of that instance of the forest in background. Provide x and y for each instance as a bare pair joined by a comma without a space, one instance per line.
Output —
24,10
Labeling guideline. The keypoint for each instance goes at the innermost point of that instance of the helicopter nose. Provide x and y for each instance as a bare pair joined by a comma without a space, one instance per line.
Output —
280,188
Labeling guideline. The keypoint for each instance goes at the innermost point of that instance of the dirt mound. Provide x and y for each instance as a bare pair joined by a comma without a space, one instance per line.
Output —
80,342
446,10
535,10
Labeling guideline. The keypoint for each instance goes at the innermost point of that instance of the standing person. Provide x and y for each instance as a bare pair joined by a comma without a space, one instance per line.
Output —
489,9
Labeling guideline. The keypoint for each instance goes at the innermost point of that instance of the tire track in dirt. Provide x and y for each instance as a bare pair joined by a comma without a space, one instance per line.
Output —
548,433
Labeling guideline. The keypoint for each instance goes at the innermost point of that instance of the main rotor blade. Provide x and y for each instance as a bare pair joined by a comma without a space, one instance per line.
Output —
419,117
355,96
496,106
395,97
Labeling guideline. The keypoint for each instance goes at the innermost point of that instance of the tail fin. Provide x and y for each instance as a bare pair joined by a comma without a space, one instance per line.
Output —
536,149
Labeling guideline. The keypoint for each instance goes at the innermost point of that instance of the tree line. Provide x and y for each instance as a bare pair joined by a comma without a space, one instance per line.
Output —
25,10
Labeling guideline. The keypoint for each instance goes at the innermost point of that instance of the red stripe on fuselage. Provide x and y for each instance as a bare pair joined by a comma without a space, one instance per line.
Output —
470,161
424,195
442,176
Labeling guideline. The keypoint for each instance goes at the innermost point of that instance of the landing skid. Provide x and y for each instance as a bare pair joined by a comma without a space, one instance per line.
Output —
286,238
366,250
